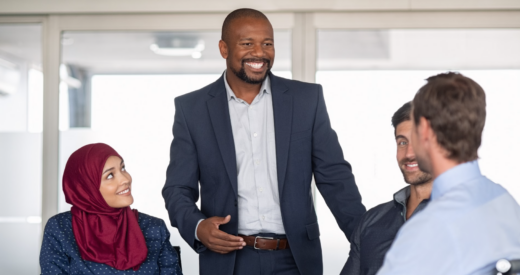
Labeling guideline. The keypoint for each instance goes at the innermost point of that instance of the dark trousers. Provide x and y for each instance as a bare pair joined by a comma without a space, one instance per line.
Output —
250,261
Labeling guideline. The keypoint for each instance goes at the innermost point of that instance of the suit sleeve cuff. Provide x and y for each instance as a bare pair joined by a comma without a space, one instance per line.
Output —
196,227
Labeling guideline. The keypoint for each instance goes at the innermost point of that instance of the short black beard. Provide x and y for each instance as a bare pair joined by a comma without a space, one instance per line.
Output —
243,76
424,178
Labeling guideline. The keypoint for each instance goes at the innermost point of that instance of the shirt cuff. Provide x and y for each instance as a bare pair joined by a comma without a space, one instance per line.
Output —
196,238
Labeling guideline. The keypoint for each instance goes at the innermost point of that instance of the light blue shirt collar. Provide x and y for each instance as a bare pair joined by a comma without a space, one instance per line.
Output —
265,88
461,173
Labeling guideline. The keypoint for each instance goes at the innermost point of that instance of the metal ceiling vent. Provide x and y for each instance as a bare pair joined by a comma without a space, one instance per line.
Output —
178,46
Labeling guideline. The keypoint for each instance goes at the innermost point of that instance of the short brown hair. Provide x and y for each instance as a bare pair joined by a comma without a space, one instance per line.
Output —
455,106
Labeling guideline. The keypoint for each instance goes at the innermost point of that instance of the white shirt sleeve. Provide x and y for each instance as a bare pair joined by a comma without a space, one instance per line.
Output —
196,227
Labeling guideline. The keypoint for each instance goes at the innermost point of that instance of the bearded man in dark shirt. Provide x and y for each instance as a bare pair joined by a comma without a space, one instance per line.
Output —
379,226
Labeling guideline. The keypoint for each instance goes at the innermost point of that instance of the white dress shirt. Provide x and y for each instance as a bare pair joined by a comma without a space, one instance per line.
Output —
255,148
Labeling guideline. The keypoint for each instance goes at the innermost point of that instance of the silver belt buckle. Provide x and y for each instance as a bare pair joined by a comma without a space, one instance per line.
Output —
260,237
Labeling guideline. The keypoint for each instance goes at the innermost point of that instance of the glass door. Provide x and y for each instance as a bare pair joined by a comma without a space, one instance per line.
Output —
21,106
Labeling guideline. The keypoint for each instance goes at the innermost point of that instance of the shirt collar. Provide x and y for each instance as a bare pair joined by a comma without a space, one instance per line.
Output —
401,196
457,175
265,88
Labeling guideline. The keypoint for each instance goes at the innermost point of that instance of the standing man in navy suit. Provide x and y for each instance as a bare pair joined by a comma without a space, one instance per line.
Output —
253,141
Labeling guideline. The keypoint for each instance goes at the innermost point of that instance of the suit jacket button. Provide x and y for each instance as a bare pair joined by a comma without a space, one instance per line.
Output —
235,202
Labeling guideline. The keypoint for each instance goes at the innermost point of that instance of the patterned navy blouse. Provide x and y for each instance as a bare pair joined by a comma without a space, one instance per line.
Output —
60,253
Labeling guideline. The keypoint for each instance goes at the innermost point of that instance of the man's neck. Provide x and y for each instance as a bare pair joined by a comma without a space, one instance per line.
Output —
242,89
418,193
440,162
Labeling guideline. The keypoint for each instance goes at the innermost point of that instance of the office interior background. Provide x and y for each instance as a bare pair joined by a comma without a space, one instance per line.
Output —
78,72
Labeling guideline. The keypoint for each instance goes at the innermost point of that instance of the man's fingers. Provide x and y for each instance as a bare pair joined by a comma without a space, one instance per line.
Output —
226,237
223,249
223,243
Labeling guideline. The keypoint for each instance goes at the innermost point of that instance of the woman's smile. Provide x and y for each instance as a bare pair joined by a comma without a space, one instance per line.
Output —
125,192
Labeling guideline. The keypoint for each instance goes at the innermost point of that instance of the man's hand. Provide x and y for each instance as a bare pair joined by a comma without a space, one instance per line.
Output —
215,239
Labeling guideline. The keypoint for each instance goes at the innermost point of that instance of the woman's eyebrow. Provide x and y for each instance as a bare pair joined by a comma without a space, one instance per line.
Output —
112,168
109,169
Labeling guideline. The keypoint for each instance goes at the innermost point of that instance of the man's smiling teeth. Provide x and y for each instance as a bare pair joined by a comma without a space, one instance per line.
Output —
255,65
124,191
412,165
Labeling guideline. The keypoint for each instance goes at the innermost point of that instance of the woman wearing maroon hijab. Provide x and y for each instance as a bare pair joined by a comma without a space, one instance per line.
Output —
102,234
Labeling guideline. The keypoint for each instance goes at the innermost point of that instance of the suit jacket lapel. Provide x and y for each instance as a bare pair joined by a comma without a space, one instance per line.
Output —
218,107
282,112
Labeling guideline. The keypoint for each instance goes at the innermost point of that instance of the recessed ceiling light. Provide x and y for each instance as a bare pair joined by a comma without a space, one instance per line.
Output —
178,46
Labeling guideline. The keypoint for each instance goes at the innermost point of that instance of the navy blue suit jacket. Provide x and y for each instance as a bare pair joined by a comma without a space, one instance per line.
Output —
203,151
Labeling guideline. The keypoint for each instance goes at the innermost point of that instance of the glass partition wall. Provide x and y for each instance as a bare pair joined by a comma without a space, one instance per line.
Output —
21,103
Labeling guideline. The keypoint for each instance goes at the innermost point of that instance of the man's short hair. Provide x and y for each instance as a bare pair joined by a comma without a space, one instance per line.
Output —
402,114
237,14
455,106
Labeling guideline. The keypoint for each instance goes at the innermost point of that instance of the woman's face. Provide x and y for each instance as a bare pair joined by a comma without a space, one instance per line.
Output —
116,183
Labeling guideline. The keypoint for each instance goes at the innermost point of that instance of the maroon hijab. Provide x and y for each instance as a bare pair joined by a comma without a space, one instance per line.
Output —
104,234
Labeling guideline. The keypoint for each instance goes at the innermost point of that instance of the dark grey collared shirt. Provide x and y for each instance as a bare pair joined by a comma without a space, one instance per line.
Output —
376,232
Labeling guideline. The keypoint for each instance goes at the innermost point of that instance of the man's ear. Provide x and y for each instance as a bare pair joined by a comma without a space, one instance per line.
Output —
222,46
426,133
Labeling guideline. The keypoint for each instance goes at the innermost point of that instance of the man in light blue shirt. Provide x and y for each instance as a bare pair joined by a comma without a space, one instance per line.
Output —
470,222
